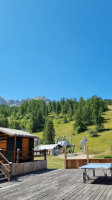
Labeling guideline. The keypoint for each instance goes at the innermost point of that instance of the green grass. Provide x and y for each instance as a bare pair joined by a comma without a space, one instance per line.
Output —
39,134
100,146
53,162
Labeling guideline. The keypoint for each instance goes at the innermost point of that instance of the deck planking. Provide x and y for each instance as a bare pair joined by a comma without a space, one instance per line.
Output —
61,184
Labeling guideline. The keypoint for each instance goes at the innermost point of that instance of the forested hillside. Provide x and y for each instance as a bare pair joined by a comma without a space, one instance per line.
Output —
32,116
99,144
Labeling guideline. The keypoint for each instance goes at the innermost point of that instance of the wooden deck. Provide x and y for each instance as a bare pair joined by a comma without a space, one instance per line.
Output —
59,184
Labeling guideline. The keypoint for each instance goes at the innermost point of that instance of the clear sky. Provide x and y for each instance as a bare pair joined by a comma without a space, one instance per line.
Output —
55,48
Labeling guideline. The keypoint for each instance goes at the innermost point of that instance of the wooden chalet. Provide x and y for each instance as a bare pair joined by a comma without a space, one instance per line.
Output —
11,140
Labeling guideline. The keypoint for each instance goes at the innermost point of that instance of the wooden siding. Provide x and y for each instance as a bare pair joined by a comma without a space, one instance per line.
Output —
28,167
3,142
76,163
25,148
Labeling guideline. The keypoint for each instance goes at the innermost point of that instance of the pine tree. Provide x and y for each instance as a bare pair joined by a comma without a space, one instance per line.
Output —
49,132
57,108
79,125
64,119
87,114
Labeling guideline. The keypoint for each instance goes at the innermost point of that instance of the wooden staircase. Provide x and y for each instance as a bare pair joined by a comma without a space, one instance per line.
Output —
5,169
2,177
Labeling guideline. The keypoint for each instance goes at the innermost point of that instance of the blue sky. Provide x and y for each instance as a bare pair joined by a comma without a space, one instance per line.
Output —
55,48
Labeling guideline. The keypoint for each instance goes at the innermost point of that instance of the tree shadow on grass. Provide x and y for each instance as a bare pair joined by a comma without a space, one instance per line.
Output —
93,136
106,129
106,120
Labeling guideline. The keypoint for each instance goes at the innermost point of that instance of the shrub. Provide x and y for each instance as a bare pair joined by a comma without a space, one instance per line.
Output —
99,128
93,133
108,156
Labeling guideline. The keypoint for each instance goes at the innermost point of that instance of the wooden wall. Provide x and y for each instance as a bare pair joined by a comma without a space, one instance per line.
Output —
76,163
25,148
3,141
27,167
9,146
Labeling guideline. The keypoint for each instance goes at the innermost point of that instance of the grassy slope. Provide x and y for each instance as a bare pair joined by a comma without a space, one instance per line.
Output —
97,145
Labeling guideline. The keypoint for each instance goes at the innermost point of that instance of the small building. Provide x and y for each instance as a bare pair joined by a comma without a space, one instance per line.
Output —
12,139
51,149
64,143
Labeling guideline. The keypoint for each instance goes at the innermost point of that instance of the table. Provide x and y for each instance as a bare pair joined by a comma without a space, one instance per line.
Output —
93,166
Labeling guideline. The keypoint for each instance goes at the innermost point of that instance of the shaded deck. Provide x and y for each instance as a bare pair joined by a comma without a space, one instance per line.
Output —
59,184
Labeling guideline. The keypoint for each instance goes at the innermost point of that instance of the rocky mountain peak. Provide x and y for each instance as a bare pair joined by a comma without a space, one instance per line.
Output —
12,102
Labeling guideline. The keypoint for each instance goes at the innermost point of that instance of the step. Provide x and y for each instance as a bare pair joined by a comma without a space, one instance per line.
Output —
1,175
2,180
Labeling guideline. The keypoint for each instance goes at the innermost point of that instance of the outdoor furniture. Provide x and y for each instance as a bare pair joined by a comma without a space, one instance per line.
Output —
93,167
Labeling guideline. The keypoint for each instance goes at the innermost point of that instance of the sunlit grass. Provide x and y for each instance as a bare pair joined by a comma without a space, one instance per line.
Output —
39,134
53,162
97,145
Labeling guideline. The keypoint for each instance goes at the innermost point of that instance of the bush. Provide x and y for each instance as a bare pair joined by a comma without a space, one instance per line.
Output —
108,156
80,128
93,133
99,128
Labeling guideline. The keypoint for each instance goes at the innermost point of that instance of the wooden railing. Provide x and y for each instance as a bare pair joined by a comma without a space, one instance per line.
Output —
76,163
41,152
65,150
32,154
7,171
19,156
6,166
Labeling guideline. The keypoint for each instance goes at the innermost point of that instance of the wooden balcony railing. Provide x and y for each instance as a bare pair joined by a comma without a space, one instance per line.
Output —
21,156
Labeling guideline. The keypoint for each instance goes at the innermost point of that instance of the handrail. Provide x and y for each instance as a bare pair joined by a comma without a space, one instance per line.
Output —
4,158
4,166
9,170
39,150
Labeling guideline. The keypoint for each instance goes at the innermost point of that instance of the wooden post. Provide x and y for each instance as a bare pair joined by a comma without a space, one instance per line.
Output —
18,153
87,153
45,154
10,167
15,150
65,156
111,148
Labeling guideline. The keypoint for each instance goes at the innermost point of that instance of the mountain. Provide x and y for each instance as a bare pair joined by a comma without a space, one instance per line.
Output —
12,102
